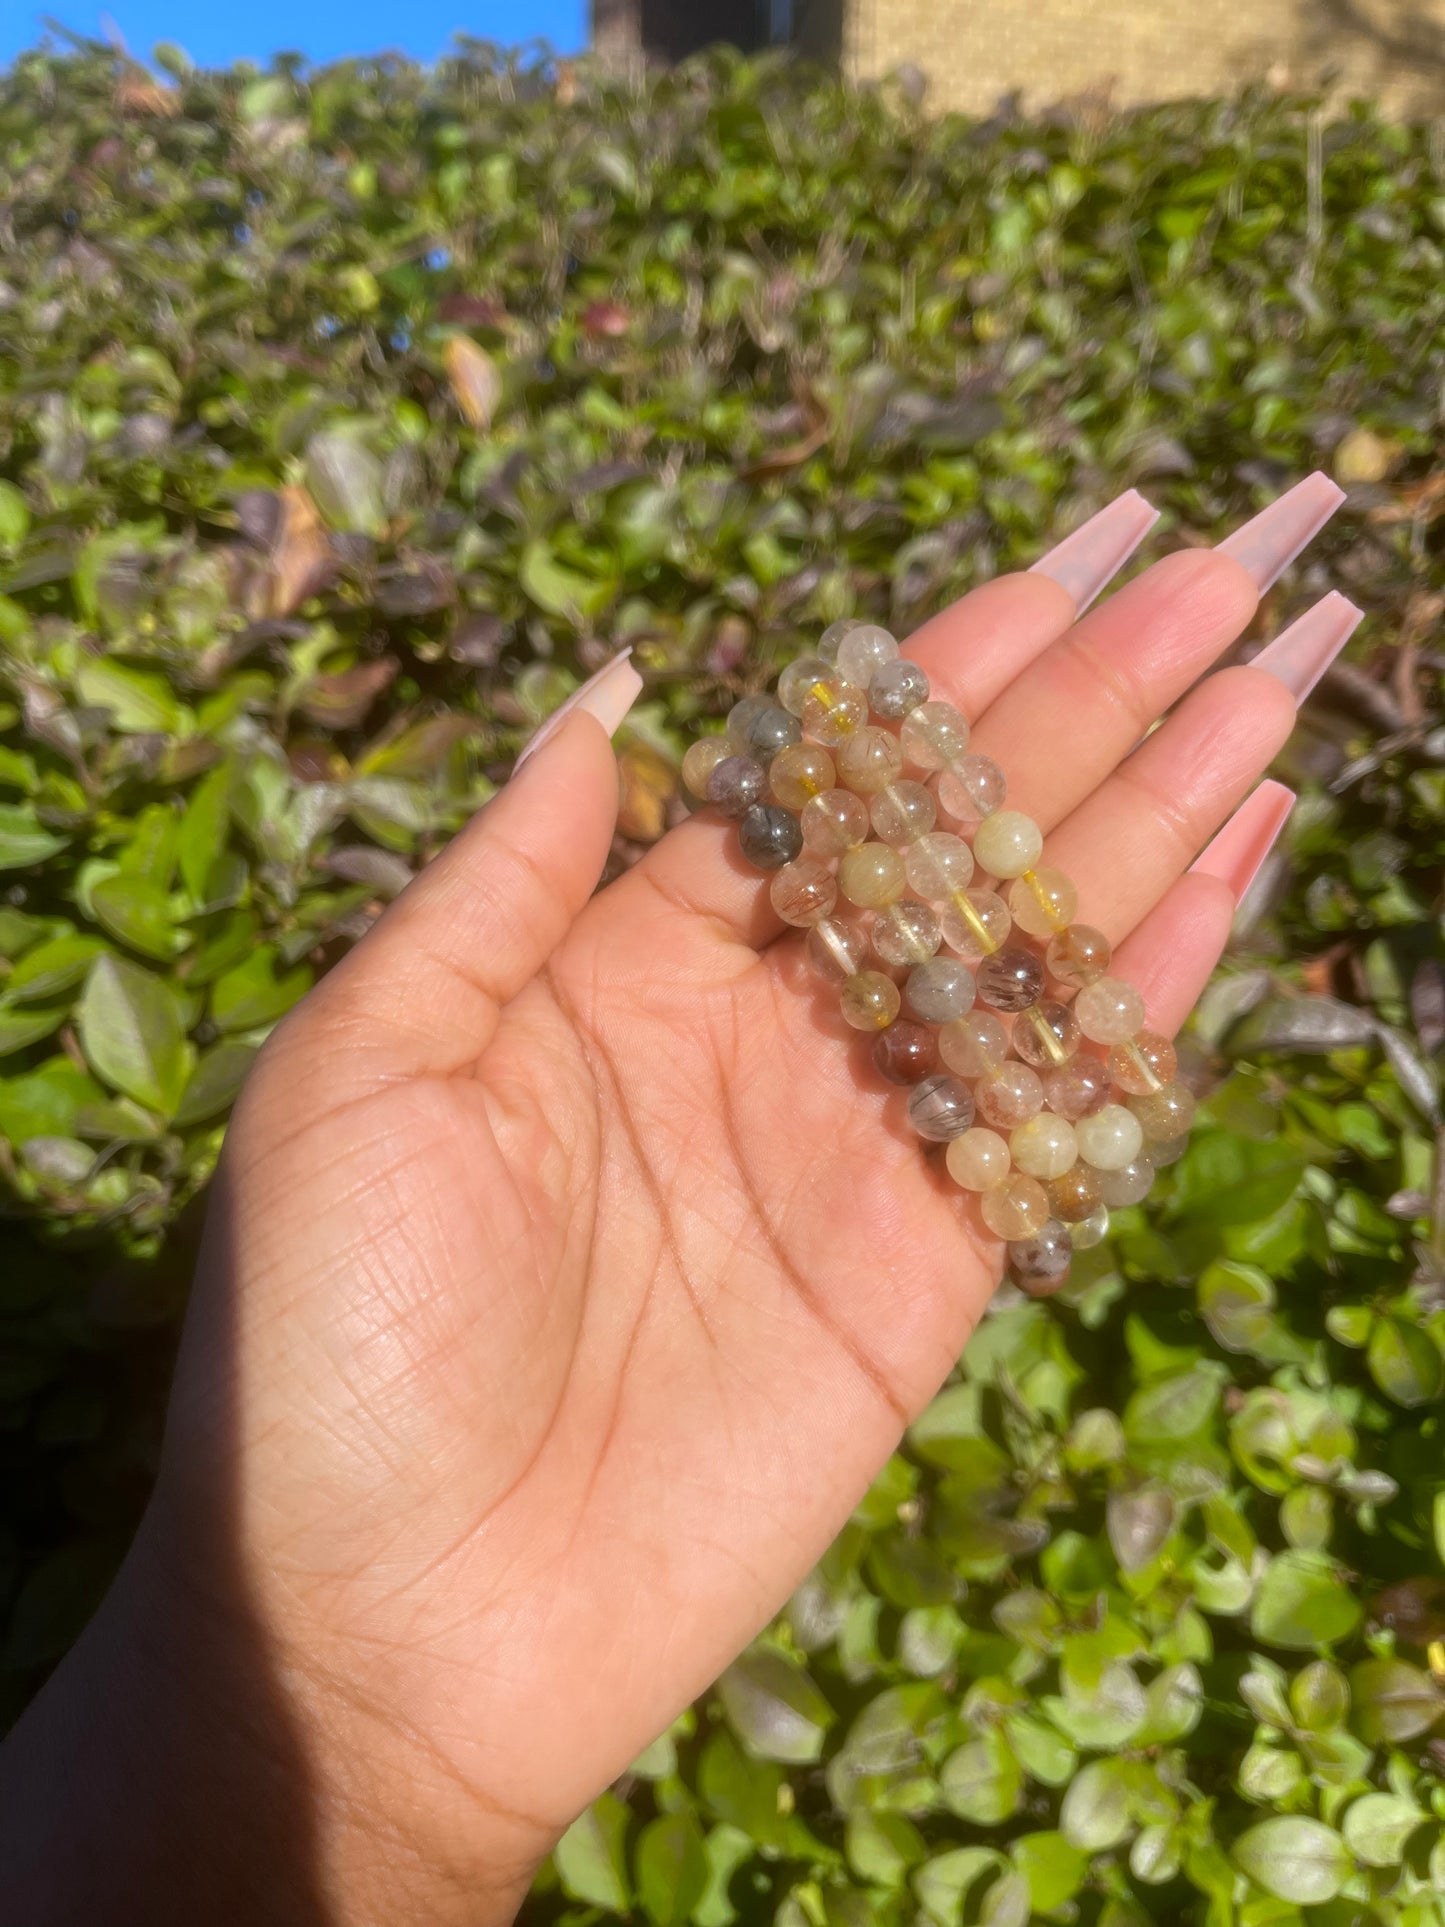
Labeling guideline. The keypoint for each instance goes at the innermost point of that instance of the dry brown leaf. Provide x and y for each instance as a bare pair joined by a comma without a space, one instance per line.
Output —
301,560
649,783
140,96
474,379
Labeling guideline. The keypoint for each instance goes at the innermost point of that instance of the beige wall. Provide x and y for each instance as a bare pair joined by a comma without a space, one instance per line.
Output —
973,51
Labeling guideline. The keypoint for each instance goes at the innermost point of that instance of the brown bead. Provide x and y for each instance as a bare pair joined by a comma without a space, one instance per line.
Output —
1145,1063
1077,1089
1011,979
1074,1196
1046,1035
1078,955
1040,1264
905,1053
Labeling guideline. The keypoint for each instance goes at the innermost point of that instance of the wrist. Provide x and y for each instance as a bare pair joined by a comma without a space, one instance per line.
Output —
189,1760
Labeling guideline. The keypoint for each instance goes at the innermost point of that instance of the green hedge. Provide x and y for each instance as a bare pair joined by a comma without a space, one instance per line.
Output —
345,419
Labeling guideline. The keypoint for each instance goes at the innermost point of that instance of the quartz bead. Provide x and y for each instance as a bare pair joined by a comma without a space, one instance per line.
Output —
804,892
1077,1089
941,1108
975,923
940,990
978,1159
1008,1096
906,933
737,785
975,1044
1075,1195
701,760
871,875
1129,1184
870,1000
1040,1264
903,813
798,679
1046,1035
1010,979
971,789
1090,1231
1164,1114
934,735
769,837
1017,1208
1167,1150
1007,843
800,772
832,712
831,640
1042,901
837,950
772,730
834,821
1146,1063
1110,1139
863,652
740,720
869,760
1078,955
906,1052
1043,1145
1109,1010
938,865
897,687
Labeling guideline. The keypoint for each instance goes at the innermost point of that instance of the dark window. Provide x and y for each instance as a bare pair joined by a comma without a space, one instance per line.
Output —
673,29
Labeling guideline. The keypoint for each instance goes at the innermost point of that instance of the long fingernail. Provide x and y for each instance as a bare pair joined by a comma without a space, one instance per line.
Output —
608,696
1086,561
1270,542
1247,838
1301,654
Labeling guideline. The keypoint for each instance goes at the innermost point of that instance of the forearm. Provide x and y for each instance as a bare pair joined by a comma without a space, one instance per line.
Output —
178,1768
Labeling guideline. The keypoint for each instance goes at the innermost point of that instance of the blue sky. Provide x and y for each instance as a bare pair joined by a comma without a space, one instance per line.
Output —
322,29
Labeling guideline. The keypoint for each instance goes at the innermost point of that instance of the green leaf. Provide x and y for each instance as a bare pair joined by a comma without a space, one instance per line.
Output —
776,1710
14,515
1294,1858
27,1025
557,589
1096,1813
257,992
982,1780
1405,1362
45,1102
1378,1826
51,968
670,1869
136,913
1054,1869
1394,1701
24,840
138,701
215,1083
591,1856
1301,1604
132,1030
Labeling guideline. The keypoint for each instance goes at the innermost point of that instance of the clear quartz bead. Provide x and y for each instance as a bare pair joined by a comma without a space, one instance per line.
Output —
1091,1231
1129,1184
971,789
906,933
797,681
1165,1114
1007,843
974,1044
902,813
871,875
837,950
1043,1145
898,687
869,1000
1046,1035
1109,1010
1042,902
978,1159
863,652
1109,1139
834,821
940,990
938,864
934,735
975,923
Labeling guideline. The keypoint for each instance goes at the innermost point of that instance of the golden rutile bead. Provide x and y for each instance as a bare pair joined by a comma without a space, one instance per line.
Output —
834,821
869,760
1078,955
1007,843
906,933
1164,1115
1017,1208
803,892
797,680
1043,1145
1046,1035
934,735
700,761
870,1001
871,875
938,865
1110,1138
1145,1063
1042,902
978,1159
902,813
833,711
975,923
1109,1010
975,1044
837,950
799,773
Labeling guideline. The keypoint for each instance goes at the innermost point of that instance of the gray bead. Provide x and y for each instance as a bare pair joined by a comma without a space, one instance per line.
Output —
940,990
1129,1184
737,784
740,720
1011,979
898,687
1041,1264
771,730
940,1108
770,836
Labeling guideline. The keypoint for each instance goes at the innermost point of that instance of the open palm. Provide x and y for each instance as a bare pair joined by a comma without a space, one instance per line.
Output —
572,1273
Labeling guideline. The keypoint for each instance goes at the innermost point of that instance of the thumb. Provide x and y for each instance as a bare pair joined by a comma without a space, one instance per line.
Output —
422,993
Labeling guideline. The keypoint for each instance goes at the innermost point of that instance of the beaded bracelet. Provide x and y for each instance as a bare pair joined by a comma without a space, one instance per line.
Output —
1049,1134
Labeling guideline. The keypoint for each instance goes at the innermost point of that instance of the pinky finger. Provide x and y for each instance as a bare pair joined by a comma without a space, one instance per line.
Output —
1170,956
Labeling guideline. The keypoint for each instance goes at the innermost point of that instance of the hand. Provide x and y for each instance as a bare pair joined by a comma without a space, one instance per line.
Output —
570,1273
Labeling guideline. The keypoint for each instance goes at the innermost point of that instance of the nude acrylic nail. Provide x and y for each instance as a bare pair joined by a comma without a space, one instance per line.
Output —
1300,654
1240,848
608,696
1085,562
1267,544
